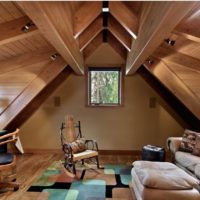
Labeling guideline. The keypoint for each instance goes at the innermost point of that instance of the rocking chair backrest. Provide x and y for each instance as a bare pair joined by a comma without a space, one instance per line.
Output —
70,131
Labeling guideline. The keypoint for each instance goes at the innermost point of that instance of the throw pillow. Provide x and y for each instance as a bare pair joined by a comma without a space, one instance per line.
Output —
196,150
78,145
188,141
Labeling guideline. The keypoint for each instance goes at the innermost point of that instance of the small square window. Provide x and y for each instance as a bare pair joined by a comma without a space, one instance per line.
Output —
104,86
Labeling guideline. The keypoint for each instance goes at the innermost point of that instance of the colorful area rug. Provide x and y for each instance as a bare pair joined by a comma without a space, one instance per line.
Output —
110,182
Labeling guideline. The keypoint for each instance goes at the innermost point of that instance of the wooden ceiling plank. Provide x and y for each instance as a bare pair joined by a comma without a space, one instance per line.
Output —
188,36
117,46
85,15
24,60
94,44
90,33
176,57
53,19
24,98
161,71
12,9
127,18
5,14
157,21
120,33
189,26
11,31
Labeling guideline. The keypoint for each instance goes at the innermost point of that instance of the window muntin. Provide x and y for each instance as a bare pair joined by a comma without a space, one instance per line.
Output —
104,86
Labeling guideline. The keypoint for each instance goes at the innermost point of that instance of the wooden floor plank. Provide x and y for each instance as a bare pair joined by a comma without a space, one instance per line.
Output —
31,166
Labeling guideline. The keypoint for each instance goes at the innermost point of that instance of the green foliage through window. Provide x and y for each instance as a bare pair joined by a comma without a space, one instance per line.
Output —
104,86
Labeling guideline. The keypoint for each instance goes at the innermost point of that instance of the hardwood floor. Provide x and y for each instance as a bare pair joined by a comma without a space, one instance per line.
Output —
30,166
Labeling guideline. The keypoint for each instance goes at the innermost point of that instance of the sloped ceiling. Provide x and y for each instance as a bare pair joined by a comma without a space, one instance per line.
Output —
73,32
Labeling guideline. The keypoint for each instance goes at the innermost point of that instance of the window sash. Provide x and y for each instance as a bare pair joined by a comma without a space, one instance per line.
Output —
105,69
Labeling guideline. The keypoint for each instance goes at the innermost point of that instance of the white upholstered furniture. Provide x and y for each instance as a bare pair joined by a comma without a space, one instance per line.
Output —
163,180
185,160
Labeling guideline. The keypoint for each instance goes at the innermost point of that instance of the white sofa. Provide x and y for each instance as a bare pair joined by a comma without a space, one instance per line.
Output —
185,160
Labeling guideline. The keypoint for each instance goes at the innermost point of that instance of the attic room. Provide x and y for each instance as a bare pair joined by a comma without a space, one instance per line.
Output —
99,100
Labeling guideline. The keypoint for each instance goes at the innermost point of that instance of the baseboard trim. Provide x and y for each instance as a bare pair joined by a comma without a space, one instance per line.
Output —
56,151
101,152
120,152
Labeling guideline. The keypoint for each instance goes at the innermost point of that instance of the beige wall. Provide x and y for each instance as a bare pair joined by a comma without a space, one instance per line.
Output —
123,128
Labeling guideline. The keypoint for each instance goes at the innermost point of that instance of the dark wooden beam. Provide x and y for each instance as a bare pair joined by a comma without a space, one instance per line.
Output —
183,112
26,113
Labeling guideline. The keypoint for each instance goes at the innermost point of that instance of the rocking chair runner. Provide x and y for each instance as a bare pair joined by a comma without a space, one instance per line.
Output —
8,162
72,139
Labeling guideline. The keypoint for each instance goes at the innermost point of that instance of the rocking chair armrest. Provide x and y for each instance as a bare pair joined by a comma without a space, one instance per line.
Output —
94,144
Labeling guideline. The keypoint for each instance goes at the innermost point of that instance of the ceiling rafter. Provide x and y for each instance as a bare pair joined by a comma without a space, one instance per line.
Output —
49,17
119,32
127,18
157,20
85,15
25,60
28,94
177,57
117,46
94,44
91,32
12,30
162,72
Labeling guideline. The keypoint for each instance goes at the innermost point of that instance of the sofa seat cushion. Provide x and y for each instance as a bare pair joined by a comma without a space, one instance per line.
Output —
187,160
163,175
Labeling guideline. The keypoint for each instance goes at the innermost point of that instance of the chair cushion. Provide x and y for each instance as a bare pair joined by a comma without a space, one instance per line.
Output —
85,154
78,145
6,158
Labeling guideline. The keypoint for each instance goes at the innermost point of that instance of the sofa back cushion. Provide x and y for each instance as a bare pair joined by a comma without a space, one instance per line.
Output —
188,141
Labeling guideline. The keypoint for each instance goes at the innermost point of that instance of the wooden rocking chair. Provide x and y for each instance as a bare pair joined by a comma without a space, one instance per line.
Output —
8,163
75,147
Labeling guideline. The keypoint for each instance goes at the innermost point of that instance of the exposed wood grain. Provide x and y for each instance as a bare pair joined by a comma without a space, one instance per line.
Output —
189,26
184,45
175,85
176,108
157,20
24,45
14,82
28,170
91,32
117,46
188,36
85,15
53,19
170,55
39,99
24,60
11,31
120,33
127,18
33,89
11,10
94,44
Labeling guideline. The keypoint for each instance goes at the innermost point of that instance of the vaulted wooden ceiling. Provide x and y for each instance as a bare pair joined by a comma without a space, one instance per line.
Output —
31,32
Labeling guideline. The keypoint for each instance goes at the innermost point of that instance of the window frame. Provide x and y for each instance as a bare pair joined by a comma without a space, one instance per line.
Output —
121,85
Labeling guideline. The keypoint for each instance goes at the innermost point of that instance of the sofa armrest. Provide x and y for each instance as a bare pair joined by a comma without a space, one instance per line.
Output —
173,144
